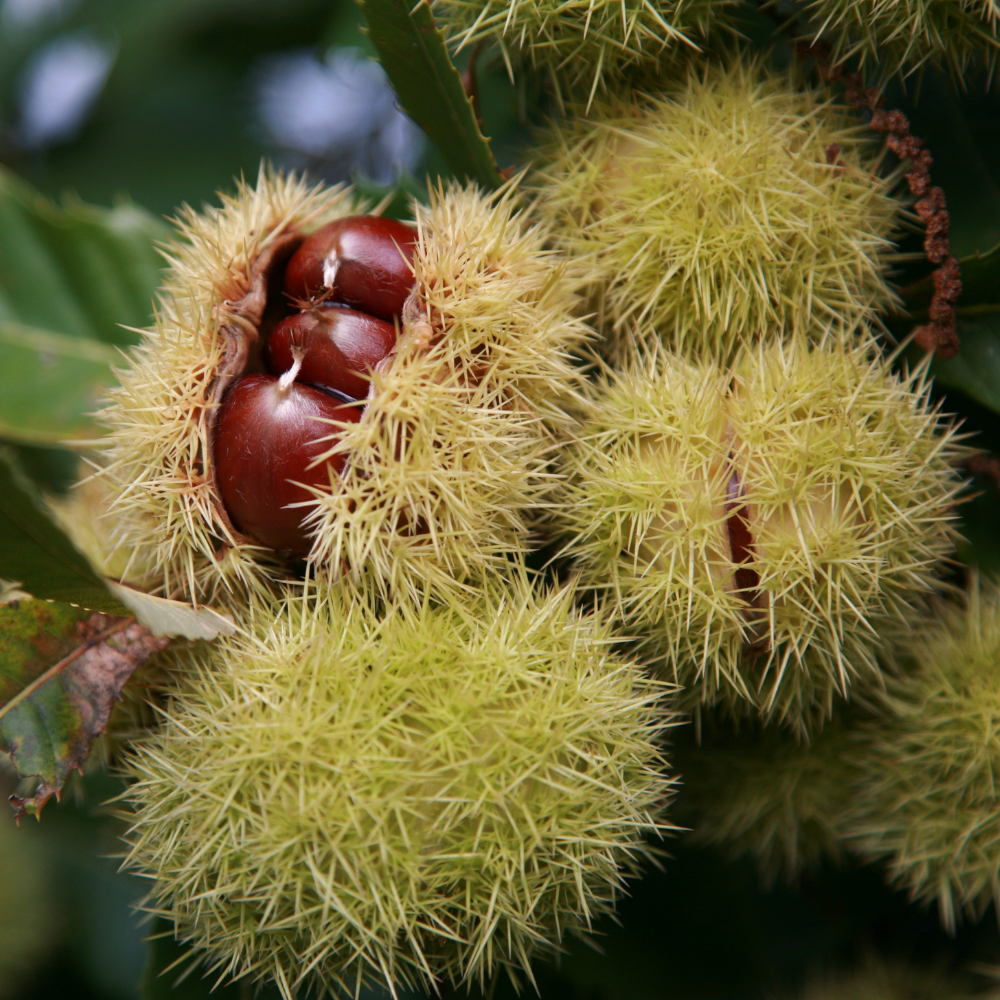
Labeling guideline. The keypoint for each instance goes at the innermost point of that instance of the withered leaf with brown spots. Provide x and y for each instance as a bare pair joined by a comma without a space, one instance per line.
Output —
61,670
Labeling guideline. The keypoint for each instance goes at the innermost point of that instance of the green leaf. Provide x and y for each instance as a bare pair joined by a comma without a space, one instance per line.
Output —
33,636
61,671
958,126
980,279
395,199
976,368
50,383
70,276
76,269
37,553
63,666
429,87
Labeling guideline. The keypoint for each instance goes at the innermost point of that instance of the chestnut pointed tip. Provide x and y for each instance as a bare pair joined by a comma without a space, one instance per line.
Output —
362,260
342,348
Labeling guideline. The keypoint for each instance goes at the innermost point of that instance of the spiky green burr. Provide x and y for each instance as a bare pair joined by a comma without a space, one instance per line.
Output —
737,202
584,45
417,797
157,454
451,449
879,979
929,805
901,36
761,793
762,528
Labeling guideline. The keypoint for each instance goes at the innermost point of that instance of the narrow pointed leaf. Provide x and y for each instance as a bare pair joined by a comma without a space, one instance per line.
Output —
37,554
429,87
72,277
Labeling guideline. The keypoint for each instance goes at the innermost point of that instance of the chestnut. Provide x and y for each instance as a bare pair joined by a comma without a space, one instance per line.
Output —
266,437
362,261
339,347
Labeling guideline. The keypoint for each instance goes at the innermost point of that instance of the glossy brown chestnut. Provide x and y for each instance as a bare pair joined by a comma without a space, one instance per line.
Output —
340,348
363,261
265,437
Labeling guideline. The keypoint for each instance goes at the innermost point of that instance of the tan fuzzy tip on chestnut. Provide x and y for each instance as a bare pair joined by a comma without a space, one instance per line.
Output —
735,202
158,450
763,528
453,447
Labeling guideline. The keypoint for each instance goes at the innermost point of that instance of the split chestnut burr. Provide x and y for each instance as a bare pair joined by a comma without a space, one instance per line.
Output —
350,279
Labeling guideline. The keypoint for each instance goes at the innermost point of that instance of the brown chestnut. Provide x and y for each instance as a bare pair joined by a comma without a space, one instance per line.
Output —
266,437
339,347
362,261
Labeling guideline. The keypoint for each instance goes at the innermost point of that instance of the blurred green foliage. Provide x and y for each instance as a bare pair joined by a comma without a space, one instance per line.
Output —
174,122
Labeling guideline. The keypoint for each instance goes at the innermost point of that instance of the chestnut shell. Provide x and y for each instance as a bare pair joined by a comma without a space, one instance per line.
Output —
266,439
341,348
362,261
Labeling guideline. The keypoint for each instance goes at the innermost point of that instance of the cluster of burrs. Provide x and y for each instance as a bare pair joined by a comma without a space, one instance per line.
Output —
656,355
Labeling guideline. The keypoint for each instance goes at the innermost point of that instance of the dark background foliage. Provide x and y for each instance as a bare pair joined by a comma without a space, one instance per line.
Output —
175,106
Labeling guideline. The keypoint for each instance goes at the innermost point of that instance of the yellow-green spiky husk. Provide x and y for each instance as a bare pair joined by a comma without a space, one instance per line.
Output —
158,448
901,36
453,447
582,43
450,450
737,203
929,805
763,794
879,979
413,798
843,472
